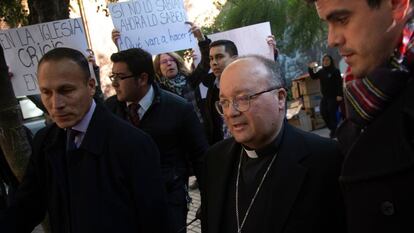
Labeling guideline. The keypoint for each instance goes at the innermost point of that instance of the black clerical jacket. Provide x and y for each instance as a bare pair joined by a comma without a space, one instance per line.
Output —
304,194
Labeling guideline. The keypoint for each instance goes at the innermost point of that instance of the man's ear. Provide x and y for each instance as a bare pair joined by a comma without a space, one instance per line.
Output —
400,9
281,96
91,86
143,78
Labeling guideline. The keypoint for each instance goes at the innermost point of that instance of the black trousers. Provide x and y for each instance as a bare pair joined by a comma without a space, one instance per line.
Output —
177,204
329,107
177,217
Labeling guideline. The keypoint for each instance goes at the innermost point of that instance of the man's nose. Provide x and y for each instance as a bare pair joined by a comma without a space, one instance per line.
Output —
335,37
58,101
232,111
115,83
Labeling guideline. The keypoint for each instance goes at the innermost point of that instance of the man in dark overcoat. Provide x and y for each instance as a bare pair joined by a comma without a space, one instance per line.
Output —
90,171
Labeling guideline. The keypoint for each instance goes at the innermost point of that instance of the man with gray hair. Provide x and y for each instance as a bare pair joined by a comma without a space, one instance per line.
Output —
376,38
270,176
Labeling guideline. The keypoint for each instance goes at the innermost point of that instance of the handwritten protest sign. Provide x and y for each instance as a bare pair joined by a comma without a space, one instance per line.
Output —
24,47
249,40
156,26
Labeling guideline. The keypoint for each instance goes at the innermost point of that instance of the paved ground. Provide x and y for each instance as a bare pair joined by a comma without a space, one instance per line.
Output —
195,195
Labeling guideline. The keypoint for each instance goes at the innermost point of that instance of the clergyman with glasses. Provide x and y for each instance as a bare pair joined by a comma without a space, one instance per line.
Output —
270,176
168,118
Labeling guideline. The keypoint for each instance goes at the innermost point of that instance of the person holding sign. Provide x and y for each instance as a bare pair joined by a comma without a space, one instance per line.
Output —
91,172
221,53
169,119
174,76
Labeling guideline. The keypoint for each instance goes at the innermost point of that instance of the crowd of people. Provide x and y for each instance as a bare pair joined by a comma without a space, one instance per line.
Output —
122,165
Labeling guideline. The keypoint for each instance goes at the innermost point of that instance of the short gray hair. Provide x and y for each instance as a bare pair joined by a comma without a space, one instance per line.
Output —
273,69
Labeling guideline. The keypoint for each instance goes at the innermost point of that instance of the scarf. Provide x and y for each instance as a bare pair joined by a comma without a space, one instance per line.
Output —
177,85
367,97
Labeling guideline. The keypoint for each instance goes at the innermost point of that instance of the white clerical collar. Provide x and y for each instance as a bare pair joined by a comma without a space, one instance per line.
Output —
251,153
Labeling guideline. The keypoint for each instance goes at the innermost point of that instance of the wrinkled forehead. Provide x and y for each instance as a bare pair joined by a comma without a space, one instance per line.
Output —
243,76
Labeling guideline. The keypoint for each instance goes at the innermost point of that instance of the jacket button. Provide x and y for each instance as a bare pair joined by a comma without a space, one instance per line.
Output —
387,208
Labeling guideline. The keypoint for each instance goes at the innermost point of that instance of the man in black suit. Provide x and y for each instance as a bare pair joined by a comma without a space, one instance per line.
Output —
169,119
89,170
221,54
270,177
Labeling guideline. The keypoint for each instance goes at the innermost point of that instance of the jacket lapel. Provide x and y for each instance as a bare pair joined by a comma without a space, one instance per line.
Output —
94,140
287,176
224,161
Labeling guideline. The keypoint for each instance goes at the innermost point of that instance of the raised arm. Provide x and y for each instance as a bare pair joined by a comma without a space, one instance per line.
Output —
311,70
203,67
115,35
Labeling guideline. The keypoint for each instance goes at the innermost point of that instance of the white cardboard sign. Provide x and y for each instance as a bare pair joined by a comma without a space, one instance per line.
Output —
24,47
157,26
249,40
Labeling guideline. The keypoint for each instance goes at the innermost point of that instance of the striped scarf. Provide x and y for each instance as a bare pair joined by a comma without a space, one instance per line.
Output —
179,86
367,97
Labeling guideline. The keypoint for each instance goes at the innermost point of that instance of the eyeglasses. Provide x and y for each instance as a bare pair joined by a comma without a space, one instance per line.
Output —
165,61
117,77
240,103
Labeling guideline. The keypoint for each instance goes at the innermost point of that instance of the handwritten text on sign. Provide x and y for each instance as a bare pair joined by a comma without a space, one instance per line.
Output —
156,26
24,47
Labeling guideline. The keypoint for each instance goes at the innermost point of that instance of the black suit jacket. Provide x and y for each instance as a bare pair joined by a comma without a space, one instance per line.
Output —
213,122
306,194
173,124
112,183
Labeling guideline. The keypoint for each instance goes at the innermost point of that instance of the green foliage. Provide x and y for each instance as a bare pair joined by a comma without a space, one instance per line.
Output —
294,22
305,28
12,12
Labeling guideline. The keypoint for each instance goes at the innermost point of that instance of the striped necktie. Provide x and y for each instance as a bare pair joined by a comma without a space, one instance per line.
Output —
70,140
133,114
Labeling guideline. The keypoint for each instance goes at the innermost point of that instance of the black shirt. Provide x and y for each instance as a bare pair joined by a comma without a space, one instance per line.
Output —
330,80
251,173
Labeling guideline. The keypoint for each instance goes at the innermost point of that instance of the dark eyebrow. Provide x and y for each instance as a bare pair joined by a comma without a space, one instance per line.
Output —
117,73
337,14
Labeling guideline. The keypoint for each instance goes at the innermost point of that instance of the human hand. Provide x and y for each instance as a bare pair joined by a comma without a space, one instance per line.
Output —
339,98
196,31
313,64
115,35
271,41
194,54
91,58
